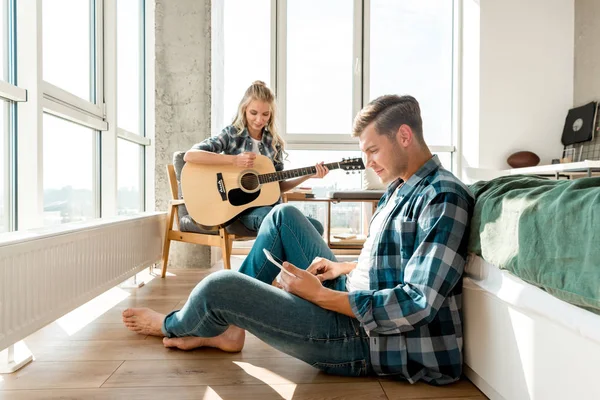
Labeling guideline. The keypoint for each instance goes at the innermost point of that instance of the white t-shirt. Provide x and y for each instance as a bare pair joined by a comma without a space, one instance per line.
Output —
255,143
358,278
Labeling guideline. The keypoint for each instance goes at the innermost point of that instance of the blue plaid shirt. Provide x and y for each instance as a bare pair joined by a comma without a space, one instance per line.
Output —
230,142
412,312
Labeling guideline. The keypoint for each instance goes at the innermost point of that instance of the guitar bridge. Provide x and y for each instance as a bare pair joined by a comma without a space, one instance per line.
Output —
221,186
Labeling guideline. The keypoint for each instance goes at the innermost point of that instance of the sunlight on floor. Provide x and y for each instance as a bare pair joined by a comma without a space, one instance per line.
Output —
147,276
283,386
210,394
87,313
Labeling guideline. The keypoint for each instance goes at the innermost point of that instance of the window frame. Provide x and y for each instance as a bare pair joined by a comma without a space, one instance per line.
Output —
361,69
99,114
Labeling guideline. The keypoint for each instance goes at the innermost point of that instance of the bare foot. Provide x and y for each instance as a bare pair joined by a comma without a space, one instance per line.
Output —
232,340
143,321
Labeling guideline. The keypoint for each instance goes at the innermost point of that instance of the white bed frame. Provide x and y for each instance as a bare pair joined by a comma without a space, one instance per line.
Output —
514,353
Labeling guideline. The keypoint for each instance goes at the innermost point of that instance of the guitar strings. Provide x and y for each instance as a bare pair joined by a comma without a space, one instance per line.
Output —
255,179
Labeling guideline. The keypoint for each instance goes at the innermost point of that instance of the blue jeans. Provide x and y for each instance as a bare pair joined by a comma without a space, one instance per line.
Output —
253,218
329,341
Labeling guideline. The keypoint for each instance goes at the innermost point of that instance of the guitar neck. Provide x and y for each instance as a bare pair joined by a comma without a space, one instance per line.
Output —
293,173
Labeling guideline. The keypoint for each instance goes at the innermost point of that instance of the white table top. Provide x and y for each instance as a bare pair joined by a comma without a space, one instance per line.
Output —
581,166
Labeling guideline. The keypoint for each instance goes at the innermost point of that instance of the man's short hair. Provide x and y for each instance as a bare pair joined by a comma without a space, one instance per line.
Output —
389,112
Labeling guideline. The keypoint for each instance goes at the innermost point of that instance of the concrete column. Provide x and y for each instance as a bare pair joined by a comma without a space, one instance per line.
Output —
182,98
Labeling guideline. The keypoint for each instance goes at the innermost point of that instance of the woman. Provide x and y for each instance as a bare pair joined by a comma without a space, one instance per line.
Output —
252,132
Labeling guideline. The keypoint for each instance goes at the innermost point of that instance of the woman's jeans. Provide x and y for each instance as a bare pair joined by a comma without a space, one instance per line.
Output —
332,342
253,218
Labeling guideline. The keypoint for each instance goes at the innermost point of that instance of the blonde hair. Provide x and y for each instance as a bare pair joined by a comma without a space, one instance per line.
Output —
259,91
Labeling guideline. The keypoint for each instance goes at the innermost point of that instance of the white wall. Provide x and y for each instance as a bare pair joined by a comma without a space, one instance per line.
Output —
587,51
525,79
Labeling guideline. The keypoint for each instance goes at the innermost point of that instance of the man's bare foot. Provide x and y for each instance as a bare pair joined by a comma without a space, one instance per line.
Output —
143,321
232,340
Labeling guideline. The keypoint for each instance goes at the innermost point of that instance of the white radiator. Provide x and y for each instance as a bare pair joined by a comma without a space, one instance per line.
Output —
45,274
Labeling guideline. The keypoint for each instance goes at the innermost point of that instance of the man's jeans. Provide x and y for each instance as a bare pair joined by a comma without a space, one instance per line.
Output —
332,342
253,218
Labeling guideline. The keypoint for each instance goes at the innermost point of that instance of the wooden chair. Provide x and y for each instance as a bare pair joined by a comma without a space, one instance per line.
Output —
222,237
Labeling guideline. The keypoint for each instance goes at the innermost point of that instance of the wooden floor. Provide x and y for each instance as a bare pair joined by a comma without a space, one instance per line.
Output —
103,360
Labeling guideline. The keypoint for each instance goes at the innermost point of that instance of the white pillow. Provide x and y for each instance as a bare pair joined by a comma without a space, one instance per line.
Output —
371,181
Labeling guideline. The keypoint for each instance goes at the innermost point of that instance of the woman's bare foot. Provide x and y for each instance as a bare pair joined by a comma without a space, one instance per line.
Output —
232,340
143,321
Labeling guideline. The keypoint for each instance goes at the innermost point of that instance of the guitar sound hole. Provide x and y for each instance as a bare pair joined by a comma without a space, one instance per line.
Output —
249,182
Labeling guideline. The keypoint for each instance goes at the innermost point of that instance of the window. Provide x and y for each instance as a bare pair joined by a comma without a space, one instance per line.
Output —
130,72
334,56
67,45
319,75
130,107
129,178
411,48
245,57
5,36
69,175
8,95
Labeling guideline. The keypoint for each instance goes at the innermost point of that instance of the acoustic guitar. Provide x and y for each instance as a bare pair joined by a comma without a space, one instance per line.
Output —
216,194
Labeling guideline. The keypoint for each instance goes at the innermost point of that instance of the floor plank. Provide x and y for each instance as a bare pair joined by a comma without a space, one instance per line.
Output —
403,390
326,391
49,375
220,372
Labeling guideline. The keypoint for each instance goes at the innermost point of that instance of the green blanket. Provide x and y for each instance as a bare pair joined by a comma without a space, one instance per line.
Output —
546,232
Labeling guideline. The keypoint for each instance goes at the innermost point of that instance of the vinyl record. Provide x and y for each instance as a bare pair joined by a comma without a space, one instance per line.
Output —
579,124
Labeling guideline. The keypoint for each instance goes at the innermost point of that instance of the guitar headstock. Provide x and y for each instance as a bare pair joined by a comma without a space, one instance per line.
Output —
352,164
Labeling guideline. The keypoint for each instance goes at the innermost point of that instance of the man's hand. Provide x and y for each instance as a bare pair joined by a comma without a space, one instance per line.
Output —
322,170
325,269
244,160
302,284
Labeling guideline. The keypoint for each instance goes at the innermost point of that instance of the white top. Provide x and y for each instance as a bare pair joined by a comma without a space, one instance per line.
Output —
358,278
255,143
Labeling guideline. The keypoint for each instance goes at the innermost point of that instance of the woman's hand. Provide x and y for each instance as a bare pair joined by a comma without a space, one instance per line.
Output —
322,170
325,269
302,284
244,160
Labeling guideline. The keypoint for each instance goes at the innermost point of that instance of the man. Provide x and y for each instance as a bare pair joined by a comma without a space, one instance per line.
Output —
395,312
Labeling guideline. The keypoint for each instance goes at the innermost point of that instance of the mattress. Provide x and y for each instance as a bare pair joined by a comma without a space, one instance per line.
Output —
482,275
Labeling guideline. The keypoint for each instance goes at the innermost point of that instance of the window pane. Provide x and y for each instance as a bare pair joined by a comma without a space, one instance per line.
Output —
319,66
247,57
68,175
335,180
129,200
4,37
446,160
345,217
129,65
411,53
4,167
67,45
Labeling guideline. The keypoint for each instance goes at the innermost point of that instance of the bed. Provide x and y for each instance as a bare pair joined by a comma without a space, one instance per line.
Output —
523,343
532,289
